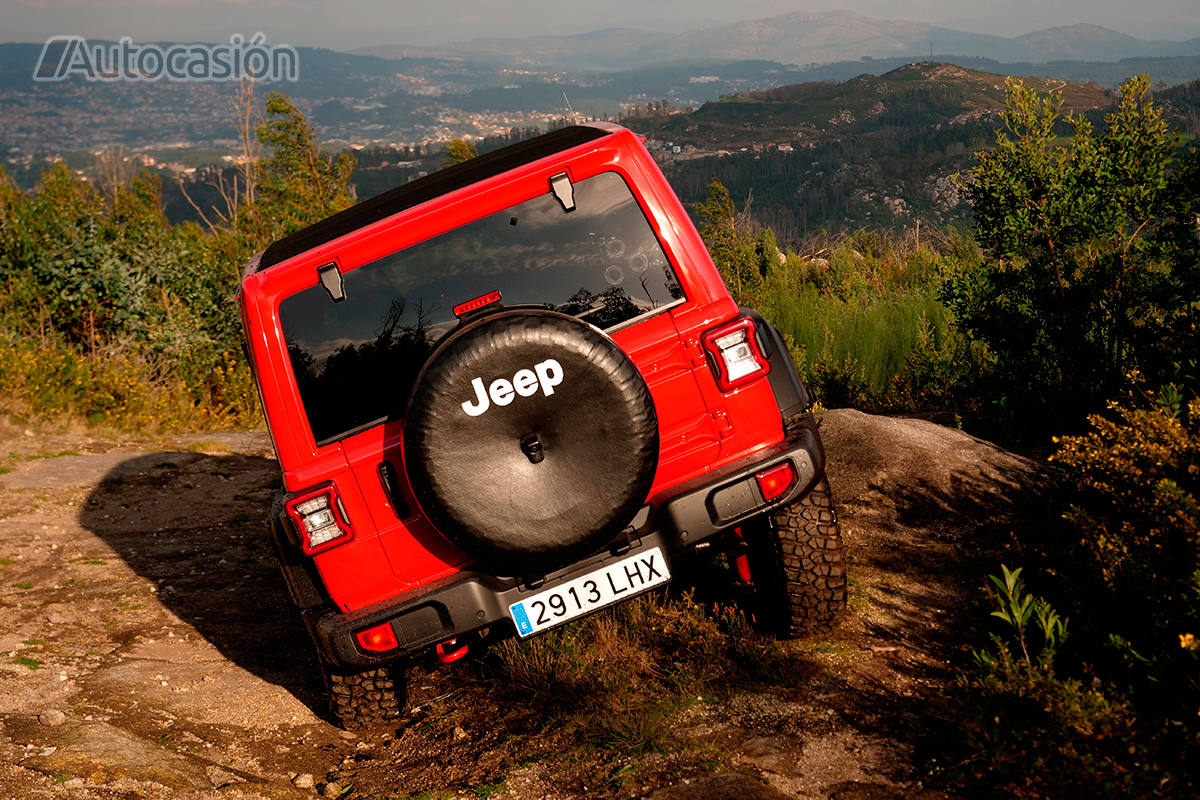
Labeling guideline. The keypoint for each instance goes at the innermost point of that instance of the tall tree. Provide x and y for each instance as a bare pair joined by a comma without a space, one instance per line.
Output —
1088,273
458,151
299,183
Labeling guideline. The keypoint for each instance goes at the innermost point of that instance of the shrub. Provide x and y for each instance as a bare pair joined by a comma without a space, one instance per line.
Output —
1118,711
123,387
1020,729
1091,244
114,315
1138,526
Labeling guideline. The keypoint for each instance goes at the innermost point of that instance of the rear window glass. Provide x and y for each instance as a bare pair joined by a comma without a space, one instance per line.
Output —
355,361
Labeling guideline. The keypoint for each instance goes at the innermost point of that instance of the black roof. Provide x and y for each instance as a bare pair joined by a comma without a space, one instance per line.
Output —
422,189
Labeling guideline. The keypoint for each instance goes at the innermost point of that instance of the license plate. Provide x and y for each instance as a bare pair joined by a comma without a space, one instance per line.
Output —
584,594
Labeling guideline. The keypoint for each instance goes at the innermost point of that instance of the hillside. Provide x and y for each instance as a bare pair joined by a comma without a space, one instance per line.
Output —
920,94
871,150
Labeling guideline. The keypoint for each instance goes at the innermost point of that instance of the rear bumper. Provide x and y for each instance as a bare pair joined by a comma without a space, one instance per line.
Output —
469,601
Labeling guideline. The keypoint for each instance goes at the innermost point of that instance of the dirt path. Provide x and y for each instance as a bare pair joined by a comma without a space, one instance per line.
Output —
147,647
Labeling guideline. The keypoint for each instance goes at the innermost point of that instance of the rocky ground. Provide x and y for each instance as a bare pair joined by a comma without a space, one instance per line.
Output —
147,647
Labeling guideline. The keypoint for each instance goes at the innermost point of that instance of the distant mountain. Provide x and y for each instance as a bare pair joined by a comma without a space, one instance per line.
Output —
807,38
919,94
842,35
799,38
604,49
1091,42
364,99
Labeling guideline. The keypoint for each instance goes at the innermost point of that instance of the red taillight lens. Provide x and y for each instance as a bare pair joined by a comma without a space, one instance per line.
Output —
775,481
734,354
319,519
378,639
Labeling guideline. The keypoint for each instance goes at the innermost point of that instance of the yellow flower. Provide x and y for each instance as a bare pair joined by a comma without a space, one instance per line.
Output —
1189,642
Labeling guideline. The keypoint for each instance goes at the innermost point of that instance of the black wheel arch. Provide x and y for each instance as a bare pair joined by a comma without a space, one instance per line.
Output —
790,392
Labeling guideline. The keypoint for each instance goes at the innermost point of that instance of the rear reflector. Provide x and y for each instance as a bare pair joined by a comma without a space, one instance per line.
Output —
319,520
378,639
477,303
734,355
775,481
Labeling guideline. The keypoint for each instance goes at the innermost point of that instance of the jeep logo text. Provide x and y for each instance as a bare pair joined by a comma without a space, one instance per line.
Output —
547,375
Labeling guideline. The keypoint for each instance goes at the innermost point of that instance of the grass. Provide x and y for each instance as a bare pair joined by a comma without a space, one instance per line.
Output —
865,322
26,661
23,585
648,729
99,562
877,335
485,790
207,447
624,673
14,456
33,642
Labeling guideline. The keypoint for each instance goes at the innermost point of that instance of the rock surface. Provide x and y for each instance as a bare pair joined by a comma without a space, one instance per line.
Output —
152,651
101,753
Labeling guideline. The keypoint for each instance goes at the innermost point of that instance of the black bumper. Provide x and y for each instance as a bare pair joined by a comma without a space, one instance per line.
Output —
469,601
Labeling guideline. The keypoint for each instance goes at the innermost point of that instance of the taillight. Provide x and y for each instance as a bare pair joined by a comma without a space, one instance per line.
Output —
479,302
734,355
775,481
319,519
379,639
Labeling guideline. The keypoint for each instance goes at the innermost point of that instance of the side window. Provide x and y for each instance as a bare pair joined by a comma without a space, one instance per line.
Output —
355,360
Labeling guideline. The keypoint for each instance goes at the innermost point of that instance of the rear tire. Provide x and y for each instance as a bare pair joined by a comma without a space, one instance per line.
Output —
369,699
798,566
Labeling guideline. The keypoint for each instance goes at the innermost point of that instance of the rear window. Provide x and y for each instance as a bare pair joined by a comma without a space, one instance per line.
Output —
355,361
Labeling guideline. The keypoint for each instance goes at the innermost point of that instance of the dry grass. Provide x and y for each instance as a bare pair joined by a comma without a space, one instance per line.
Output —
625,671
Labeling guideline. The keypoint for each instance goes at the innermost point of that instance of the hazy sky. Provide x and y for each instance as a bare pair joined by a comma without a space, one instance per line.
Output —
345,24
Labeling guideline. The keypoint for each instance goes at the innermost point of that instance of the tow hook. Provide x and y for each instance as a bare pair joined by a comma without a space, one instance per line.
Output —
741,560
448,656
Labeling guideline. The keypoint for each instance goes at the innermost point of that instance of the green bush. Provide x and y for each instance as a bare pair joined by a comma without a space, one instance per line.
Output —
123,387
113,315
1117,710
1137,519
1091,266
1020,729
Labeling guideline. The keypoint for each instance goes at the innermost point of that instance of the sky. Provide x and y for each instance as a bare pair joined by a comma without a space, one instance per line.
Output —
346,24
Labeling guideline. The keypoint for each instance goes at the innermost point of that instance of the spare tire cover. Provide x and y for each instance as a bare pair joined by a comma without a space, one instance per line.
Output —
493,394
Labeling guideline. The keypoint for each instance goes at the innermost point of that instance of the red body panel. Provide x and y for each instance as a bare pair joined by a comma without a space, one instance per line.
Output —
700,427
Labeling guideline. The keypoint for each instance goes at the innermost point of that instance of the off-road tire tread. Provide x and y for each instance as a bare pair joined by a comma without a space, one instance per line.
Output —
803,590
369,699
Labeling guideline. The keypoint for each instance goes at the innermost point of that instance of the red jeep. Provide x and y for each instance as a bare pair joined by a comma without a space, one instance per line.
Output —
511,393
